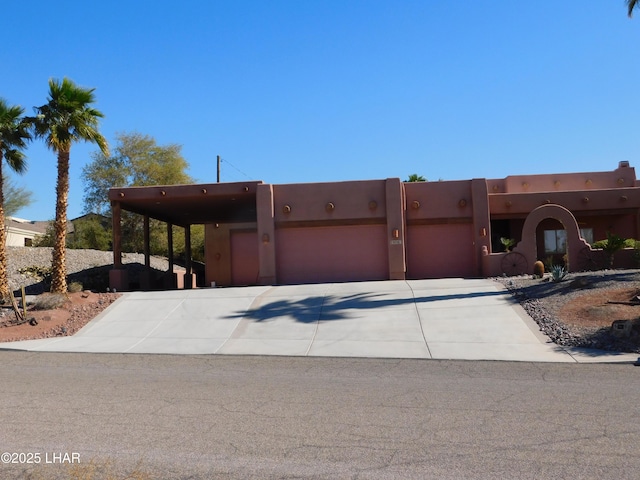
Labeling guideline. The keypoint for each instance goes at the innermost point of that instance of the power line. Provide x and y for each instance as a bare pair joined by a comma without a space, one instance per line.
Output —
234,167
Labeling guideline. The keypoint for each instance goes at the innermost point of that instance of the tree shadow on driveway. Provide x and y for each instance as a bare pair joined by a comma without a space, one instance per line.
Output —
340,307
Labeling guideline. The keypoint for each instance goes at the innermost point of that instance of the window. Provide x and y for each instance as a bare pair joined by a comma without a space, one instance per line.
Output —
555,241
587,234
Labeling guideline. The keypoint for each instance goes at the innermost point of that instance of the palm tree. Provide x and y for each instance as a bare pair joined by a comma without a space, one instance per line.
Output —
631,5
65,119
14,134
414,177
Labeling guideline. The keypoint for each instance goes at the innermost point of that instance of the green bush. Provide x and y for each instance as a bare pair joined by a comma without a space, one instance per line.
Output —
75,287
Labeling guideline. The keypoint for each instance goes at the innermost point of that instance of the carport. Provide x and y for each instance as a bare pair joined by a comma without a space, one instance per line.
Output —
182,206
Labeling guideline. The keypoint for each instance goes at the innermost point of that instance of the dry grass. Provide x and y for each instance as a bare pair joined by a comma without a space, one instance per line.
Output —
49,301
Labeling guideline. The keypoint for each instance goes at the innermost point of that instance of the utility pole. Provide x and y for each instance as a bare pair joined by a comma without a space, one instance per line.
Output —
218,169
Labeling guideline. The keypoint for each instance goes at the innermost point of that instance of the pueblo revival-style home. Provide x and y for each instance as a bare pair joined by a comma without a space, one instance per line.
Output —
258,233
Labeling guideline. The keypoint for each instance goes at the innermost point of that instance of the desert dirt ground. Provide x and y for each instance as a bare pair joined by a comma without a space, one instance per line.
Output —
75,313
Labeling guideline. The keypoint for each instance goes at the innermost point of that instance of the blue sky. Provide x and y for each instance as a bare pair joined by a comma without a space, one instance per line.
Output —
306,91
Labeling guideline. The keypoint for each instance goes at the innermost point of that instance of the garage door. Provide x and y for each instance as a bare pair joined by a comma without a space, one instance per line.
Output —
244,258
438,251
332,254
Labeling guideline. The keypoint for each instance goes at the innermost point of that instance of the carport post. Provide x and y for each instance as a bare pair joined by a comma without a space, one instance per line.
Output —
117,276
146,278
170,245
188,277
116,228
147,249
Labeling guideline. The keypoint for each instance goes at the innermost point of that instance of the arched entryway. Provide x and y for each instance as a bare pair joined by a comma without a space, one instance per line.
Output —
526,251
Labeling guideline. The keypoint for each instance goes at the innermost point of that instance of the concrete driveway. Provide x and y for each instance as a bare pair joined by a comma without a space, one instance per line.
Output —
437,319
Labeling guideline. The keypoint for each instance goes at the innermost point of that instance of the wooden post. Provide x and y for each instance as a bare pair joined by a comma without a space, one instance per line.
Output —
188,278
117,276
117,234
147,249
170,246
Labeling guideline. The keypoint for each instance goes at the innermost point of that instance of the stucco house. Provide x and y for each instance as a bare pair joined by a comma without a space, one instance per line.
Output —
22,233
260,233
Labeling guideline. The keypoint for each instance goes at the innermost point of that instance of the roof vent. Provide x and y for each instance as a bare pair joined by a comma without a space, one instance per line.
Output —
623,163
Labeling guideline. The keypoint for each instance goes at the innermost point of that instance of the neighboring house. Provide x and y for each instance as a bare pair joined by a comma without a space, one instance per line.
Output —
257,233
21,233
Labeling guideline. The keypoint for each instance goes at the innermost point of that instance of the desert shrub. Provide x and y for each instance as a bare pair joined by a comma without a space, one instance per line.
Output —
36,271
75,287
49,301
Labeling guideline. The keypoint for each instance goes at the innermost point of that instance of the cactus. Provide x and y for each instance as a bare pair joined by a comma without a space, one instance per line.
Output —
558,273
538,269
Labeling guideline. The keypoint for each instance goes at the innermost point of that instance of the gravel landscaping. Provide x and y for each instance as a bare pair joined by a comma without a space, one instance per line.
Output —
579,311
90,267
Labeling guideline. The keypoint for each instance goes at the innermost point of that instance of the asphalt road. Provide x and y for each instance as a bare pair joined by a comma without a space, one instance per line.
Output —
203,417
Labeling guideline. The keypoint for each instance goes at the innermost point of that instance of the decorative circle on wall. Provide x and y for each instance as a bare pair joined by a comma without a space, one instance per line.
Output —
415,204
462,203
330,207
286,209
